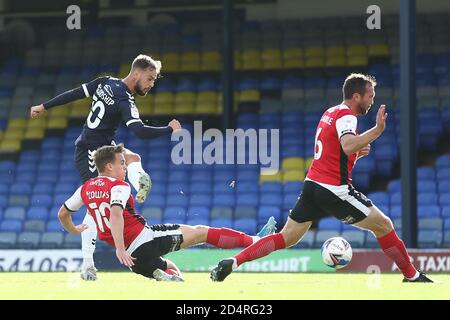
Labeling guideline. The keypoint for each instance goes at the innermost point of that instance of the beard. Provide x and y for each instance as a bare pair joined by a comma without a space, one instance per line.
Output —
139,90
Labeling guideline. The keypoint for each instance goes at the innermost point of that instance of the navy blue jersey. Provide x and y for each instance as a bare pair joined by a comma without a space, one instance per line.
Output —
112,104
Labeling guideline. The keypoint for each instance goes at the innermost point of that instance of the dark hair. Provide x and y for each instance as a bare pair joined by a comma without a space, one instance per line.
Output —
105,155
143,62
356,83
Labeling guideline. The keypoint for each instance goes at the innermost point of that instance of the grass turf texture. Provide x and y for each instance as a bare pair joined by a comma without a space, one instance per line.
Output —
285,286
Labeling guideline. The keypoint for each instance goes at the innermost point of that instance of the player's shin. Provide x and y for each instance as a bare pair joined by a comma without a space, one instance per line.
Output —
227,238
261,248
395,249
88,239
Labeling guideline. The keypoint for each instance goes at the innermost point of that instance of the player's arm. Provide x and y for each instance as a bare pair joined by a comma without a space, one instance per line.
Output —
83,91
119,198
74,203
130,116
352,143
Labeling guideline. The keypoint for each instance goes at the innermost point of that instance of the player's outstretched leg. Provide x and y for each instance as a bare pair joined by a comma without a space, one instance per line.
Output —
139,179
145,184
88,239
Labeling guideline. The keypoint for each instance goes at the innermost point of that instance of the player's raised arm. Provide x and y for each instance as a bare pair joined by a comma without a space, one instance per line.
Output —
74,203
352,143
130,116
83,91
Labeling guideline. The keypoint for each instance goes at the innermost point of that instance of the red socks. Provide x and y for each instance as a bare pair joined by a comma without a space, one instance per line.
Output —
395,249
227,238
261,248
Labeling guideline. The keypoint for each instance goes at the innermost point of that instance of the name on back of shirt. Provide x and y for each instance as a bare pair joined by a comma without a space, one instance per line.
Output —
104,96
327,119
97,195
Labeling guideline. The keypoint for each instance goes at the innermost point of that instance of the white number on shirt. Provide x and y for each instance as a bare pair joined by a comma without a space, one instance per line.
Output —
318,148
100,215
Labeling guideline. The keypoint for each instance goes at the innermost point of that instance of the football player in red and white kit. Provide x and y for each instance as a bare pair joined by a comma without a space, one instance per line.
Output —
328,190
138,246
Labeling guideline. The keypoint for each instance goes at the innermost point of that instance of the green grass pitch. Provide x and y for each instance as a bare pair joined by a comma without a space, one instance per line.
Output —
285,286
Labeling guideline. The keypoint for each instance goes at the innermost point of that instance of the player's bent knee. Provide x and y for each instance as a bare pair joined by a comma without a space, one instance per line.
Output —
132,157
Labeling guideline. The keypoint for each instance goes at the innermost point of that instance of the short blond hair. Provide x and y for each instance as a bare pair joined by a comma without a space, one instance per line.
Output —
143,62
105,155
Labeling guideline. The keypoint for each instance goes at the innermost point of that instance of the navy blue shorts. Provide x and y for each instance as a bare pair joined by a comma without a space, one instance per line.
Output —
84,162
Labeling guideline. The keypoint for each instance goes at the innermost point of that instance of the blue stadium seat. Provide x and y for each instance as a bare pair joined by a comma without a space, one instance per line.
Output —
445,212
54,225
265,212
289,200
156,200
396,211
43,188
445,241
428,211
20,188
246,225
293,187
356,238
200,200
11,225
271,200
72,241
322,236
178,176
14,213
201,188
427,198
3,201
179,200
247,199
223,176
246,187
4,189
201,212
444,186
330,224
307,240
222,223
174,212
430,224
28,240
447,224
444,199
379,198
60,198
65,187
394,186
271,188
429,238
201,177
426,186
51,240
396,198
224,200
38,213
443,161
248,175
178,187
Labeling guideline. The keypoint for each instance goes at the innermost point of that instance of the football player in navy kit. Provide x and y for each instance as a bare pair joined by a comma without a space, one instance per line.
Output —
112,103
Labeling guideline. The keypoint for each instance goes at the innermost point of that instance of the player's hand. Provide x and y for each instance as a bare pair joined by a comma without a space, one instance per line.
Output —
174,124
125,258
37,111
363,152
80,228
381,118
